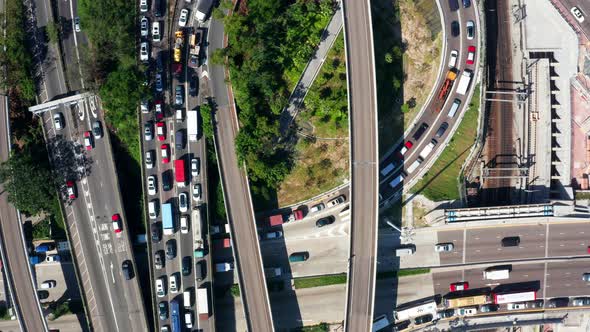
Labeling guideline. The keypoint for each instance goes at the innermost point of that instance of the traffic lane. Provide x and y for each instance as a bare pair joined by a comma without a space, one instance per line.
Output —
485,244
67,14
456,238
584,8
565,279
216,72
568,239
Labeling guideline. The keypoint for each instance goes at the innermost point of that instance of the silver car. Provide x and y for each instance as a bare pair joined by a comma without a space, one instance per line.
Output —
144,26
152,186
149,159
148,133
444,247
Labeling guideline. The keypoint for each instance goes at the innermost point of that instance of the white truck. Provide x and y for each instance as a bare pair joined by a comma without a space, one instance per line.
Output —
202,303
192,125
414,165
203,9
496,273
464,82
199,247
428,149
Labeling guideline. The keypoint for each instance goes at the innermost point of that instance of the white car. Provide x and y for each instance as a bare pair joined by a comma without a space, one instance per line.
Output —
149,159
184,225
188,319
143,52
183,17
444,247
156,31
197,192
453,58
195,167
48,284
182,202
172,284
515,306
144,106
160,291
470,311
317,208
151,184
52,258
577,14
144,26
336,201
143,6
58,121
77,27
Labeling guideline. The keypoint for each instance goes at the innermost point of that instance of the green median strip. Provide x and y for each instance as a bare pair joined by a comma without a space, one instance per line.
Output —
309,282
401,273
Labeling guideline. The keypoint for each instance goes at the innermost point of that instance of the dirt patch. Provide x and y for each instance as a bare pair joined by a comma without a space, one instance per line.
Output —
320,166
422,54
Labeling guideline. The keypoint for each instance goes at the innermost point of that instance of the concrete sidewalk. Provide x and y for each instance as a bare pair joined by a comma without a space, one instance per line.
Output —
311,70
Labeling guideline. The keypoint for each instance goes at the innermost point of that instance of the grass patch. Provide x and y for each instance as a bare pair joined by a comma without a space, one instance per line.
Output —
327,280
321,327
582,195
4,315
440,182
235,290
401,273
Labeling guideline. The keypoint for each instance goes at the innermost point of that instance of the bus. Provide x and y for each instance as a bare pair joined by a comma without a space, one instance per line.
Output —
515,297
466,301
167,219
179,172
405,312
174,316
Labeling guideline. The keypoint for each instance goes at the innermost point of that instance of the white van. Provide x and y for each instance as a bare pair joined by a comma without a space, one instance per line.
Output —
454,107
414,165
153,209
184,224
188,319
405,251
160,291
187,299
179,115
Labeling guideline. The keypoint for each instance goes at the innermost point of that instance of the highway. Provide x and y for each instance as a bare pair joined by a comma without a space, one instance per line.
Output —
362,106
238,200
114,304
67,11
27,306
189,150
433,118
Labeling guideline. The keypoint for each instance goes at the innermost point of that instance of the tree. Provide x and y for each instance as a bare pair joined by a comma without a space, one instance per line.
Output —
207,120
28,182
52,32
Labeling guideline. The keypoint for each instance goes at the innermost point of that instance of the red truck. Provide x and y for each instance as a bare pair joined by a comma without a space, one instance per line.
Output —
279,219
179,172
222,243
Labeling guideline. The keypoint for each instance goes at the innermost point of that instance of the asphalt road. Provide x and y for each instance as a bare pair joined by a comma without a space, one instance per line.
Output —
430,116
25,297
190,150
238,201
114,304
67,10
362,105
584,7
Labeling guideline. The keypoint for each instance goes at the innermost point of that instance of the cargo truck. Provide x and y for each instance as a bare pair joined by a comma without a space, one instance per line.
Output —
202,303
192,123
428,149
495,273
203,9
174,316
414,165
180,172
515,297
178,43
199,243
397,180
224,267
464,82
195,41
167,219
447,85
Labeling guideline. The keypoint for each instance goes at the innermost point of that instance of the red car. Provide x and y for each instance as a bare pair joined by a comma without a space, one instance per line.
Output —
116,219
88,141
459,286
470,55
161,130
408,145
159,110
71,188
165,150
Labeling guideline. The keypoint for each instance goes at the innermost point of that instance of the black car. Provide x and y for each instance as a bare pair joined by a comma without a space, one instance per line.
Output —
401,325
127,269
325,221
511,241
187,262
156,231
171,249
163,310
42,294
455,29
446,313
159,63
159,261
179,140
441,130
167,180
488,308
275,286
558,302
423,319
534,304
420,131
192,87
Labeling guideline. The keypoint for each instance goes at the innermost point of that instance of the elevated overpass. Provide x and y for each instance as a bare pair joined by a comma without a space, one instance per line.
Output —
362,103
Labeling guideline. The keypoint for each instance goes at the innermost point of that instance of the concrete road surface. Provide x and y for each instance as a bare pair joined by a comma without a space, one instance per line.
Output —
238,202
17,263
362,105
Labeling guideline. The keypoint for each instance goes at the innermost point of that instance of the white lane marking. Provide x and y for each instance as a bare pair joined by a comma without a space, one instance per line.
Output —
113,273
